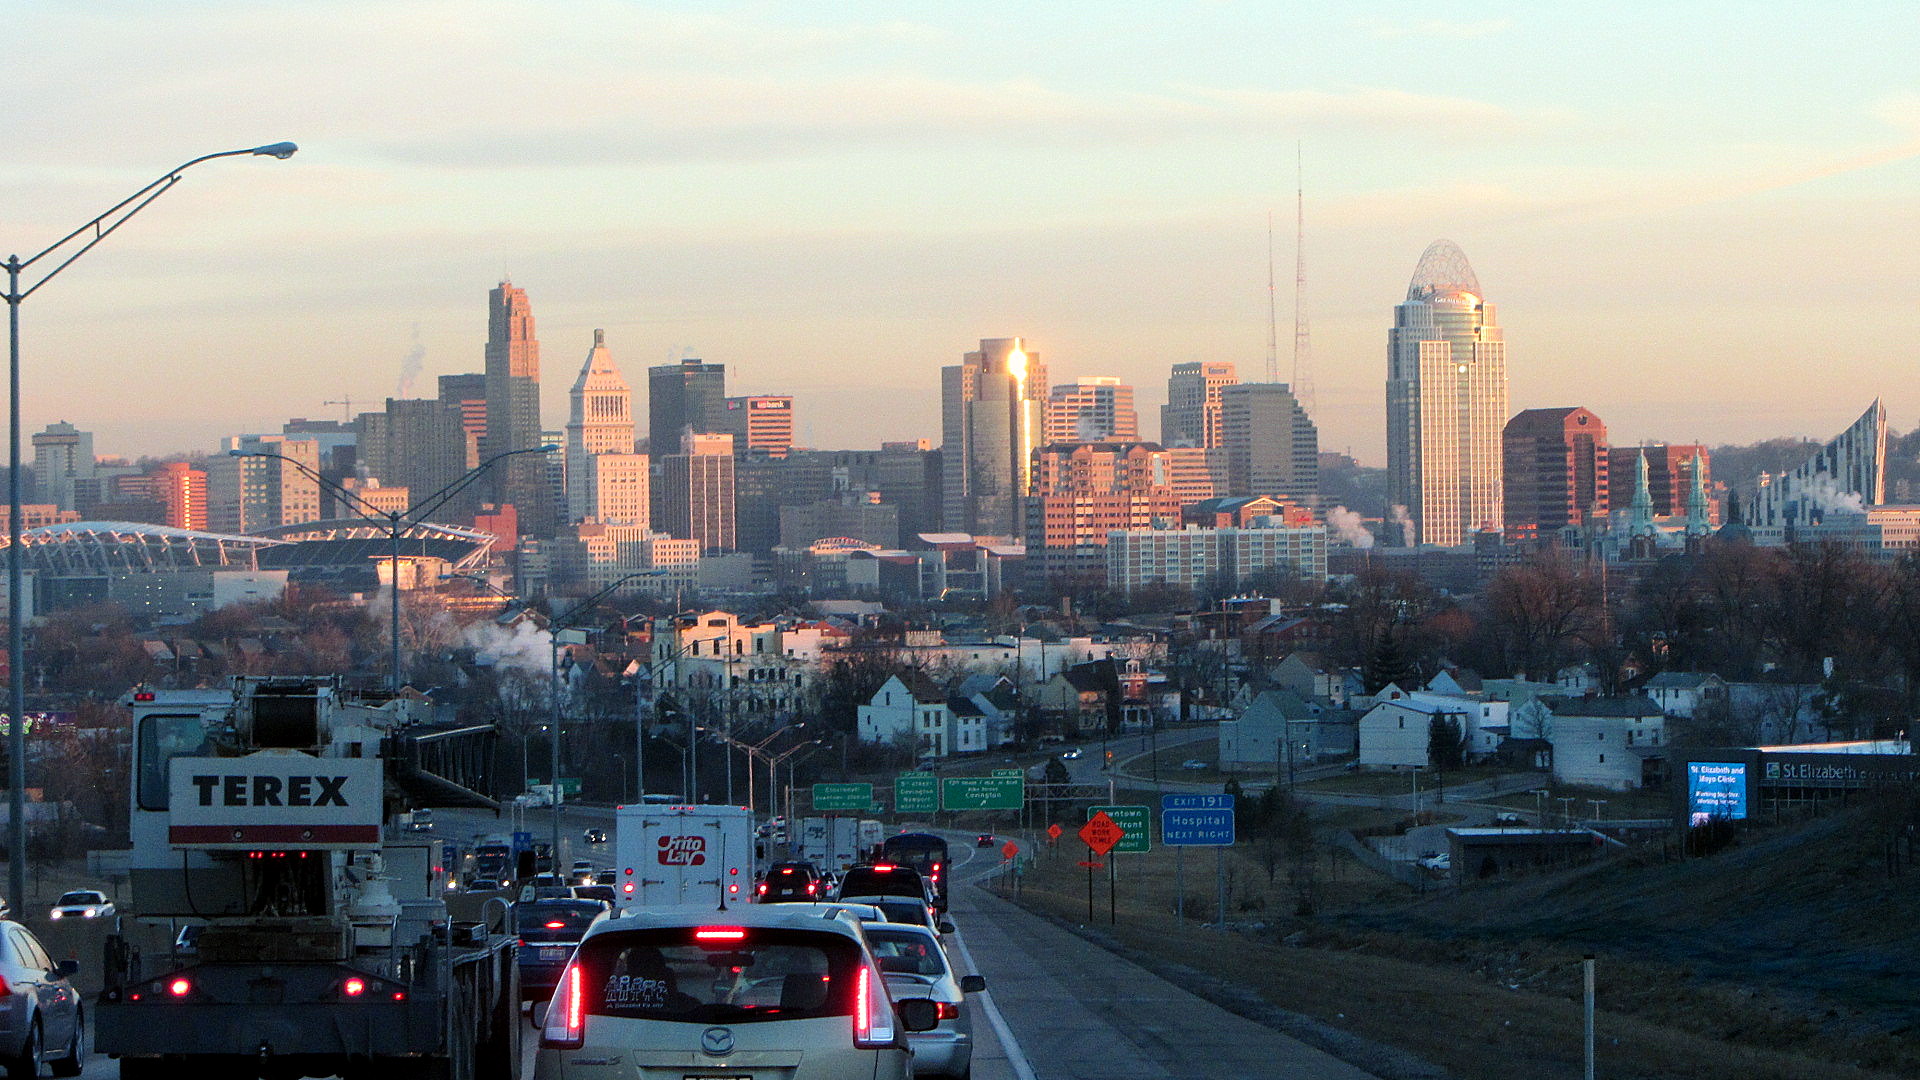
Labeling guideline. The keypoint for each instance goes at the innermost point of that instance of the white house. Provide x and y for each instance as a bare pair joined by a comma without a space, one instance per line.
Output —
1394,733
1614,743
1279,727
909,703
1683,694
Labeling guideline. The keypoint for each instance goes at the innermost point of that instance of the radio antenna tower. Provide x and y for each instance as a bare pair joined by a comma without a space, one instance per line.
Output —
1273,324
1302,343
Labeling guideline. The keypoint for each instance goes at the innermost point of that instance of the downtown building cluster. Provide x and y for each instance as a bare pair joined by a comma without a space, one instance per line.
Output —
1032,481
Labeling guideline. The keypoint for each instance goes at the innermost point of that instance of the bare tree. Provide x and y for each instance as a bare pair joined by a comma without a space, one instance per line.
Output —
1539,609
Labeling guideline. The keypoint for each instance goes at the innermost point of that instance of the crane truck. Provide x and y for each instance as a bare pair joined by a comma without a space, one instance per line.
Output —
272,813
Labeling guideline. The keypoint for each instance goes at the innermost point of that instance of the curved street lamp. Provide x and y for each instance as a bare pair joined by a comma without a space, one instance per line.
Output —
100,228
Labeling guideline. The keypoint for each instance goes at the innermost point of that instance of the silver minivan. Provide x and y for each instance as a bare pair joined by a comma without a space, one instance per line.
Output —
40,1018
761,991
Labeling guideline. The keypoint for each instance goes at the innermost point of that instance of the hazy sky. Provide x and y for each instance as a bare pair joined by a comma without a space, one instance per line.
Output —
1696,219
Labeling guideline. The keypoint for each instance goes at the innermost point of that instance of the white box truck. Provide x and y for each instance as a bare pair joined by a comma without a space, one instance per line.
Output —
844,847
683,856
815,843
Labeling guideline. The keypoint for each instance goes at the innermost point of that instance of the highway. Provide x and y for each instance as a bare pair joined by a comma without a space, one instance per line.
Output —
1057,1007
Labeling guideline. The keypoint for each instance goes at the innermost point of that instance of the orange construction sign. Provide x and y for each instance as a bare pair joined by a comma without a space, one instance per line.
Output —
1101,833
1009,849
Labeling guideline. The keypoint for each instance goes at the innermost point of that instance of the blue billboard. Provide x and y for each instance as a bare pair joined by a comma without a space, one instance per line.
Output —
1716,789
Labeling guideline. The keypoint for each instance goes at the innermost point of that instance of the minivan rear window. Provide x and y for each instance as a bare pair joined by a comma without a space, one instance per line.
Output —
534,922
719,975
865,881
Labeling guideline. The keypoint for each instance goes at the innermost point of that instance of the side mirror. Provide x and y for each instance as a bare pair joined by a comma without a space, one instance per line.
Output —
66,969
972,984
946,926
918,1014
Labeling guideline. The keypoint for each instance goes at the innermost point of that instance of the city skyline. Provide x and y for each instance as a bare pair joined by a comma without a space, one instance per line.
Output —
824,222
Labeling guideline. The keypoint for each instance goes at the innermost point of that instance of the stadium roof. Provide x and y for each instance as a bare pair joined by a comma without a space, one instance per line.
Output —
102,547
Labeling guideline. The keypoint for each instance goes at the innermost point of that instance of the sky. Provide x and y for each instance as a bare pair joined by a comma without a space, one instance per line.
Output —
1695,219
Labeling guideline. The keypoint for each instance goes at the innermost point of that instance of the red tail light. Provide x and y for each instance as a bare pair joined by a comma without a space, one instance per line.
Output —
763,888
872,1011
883,868
628,887
7,991
948,1010
180,987
556,925
566,1024
354,987
812,888
719,933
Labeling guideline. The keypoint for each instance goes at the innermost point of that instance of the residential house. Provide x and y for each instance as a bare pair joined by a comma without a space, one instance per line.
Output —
1082,697
1309,675
1683,695
1280,728
1618,743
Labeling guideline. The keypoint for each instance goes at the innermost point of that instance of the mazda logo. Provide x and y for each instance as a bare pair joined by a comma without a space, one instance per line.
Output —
717,1040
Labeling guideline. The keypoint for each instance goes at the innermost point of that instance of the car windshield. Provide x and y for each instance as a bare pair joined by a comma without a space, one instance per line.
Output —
68,899
904,952
535,922
711,976
869,881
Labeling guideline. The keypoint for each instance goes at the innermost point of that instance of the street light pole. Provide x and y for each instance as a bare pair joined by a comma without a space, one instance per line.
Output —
101,227
395,522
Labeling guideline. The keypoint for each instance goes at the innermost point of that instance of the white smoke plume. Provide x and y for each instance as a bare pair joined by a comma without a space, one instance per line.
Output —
1349,526
1828,497
1400,517
411,367
522,645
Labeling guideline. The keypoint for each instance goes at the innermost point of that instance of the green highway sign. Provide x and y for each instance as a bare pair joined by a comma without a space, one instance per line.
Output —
1136,821
856,797
983,793
916,793
1010,772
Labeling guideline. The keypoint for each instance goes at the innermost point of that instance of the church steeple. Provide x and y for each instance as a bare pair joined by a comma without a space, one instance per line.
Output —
1697,510
1641,523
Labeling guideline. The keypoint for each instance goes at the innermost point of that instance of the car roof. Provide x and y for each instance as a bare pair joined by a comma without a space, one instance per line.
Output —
831,918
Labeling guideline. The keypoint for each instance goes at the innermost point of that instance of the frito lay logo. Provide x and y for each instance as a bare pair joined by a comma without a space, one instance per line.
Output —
683,850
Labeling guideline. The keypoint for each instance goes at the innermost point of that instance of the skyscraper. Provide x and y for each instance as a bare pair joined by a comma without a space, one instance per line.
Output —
247,494
181,490
761,425
688,396
1272,446
468,393
62,462
1557,467
1084,490
599,421
693,492
513,407
1191,416
419,444
992,413
1446,402
1092,408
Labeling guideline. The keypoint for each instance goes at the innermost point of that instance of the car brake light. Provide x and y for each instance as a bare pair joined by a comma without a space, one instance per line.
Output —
812,888
716,933
354,987
556,925
948,1010
883,868
567,1017
6,990
763,888
872,1012
180,987
628,887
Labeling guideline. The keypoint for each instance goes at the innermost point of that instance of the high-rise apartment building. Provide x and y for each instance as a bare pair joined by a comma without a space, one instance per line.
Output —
513,408
761,425
1198,472
181,491
1092,408
1446,402
1191,416
419,444
63,462
247,494
1556,466
599,421
1668,475
468,393
992,407
688,396
1084,491
693,495
1272,446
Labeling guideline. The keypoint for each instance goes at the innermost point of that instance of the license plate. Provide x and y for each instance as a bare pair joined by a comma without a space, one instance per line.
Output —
554,952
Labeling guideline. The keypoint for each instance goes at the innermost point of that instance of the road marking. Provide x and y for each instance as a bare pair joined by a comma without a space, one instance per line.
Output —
1016,1057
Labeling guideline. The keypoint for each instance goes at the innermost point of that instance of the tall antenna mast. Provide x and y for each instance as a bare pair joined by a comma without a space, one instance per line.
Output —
1273,324
1302,343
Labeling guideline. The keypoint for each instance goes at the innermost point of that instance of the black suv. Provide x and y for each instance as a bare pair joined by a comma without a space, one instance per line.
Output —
797,881
883,879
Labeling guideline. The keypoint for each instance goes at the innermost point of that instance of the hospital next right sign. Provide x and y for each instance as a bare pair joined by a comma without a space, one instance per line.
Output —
1716,789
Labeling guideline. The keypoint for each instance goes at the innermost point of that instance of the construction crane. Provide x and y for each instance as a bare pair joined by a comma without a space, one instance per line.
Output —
346,407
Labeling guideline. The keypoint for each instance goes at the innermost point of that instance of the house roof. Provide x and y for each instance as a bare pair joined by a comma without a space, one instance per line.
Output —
1634,705
1091,677
1679,680
921,687
1291,706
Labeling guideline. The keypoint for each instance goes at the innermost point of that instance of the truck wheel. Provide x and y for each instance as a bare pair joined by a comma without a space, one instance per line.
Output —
69,1063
